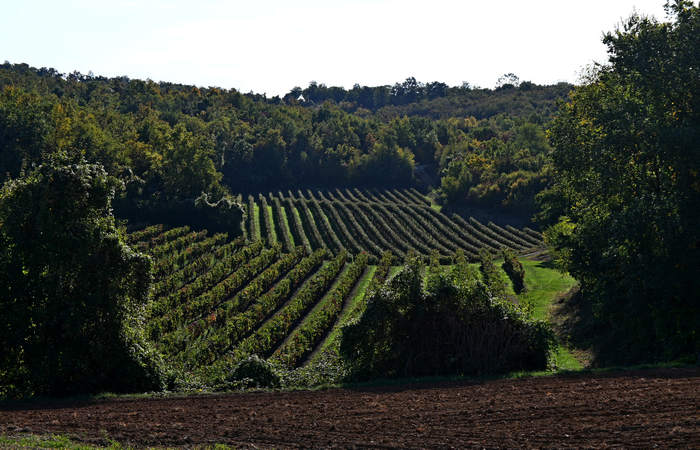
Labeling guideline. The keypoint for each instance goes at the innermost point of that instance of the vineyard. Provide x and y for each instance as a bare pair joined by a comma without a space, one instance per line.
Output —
300,272
372,222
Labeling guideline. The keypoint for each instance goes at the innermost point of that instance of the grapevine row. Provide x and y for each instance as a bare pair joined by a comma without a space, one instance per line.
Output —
270,235
524,236
266,338
162,238
309,224
346,215
203,263
503,242
253,229
174,261
298,228
145,234
508,235
201,284
317,324
281,223
327,231
337,221
243,324
217,317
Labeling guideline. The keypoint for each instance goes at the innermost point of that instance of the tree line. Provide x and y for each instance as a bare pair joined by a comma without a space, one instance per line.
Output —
171,142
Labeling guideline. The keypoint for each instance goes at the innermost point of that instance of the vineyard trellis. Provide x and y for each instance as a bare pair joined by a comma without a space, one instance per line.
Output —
279,290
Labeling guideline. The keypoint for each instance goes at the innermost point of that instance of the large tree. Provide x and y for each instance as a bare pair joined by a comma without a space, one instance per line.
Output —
68,287
627,173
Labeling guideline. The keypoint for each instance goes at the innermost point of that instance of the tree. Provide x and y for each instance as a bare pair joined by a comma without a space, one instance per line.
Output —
188,168
68,285
385,165
507,80
25,127
627,175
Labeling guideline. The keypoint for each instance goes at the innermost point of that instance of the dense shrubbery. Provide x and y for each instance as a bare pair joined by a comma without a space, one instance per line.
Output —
514,269
449,323
253,371
71,291
499,163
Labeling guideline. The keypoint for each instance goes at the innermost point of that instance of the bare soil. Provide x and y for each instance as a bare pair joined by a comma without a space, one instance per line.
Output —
643,408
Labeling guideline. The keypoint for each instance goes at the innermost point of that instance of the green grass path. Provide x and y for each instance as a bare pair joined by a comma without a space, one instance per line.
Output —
543,284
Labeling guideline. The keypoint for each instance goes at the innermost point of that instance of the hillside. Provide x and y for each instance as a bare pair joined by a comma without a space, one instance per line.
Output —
170,142
306,261
301,272
375,221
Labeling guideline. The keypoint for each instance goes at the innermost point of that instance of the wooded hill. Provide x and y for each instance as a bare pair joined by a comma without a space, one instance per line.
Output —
172,142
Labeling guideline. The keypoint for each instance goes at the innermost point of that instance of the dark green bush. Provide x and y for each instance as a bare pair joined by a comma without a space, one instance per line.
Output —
71,291
514,269
490,274
254,371
456,324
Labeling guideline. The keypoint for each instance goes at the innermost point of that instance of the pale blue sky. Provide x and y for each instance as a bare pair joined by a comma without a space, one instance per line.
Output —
271,46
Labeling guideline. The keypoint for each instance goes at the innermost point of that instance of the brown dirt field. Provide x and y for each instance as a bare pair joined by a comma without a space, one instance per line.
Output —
630,409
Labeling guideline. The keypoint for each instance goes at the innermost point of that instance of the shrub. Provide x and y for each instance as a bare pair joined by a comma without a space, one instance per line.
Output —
514,269
254,371
490,273
71,291
451,323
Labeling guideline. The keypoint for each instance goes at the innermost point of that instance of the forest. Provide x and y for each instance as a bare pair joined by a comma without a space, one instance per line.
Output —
171,143
205,238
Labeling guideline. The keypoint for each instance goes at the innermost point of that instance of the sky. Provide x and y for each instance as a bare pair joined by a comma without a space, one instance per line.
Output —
270,46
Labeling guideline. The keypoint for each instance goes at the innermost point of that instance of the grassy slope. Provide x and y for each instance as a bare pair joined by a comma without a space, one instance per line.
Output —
543,284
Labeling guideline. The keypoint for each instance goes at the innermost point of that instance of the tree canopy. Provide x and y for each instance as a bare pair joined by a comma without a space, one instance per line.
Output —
174,142
68,287
626,170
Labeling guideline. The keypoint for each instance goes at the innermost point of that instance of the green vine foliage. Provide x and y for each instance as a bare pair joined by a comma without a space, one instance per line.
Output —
514,269
71,290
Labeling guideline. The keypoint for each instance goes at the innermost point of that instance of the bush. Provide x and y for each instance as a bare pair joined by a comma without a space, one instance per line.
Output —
490,274
514,269
456,324
254,371
71,291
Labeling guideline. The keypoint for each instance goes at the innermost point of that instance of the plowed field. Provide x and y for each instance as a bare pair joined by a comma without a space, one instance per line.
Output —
634,408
